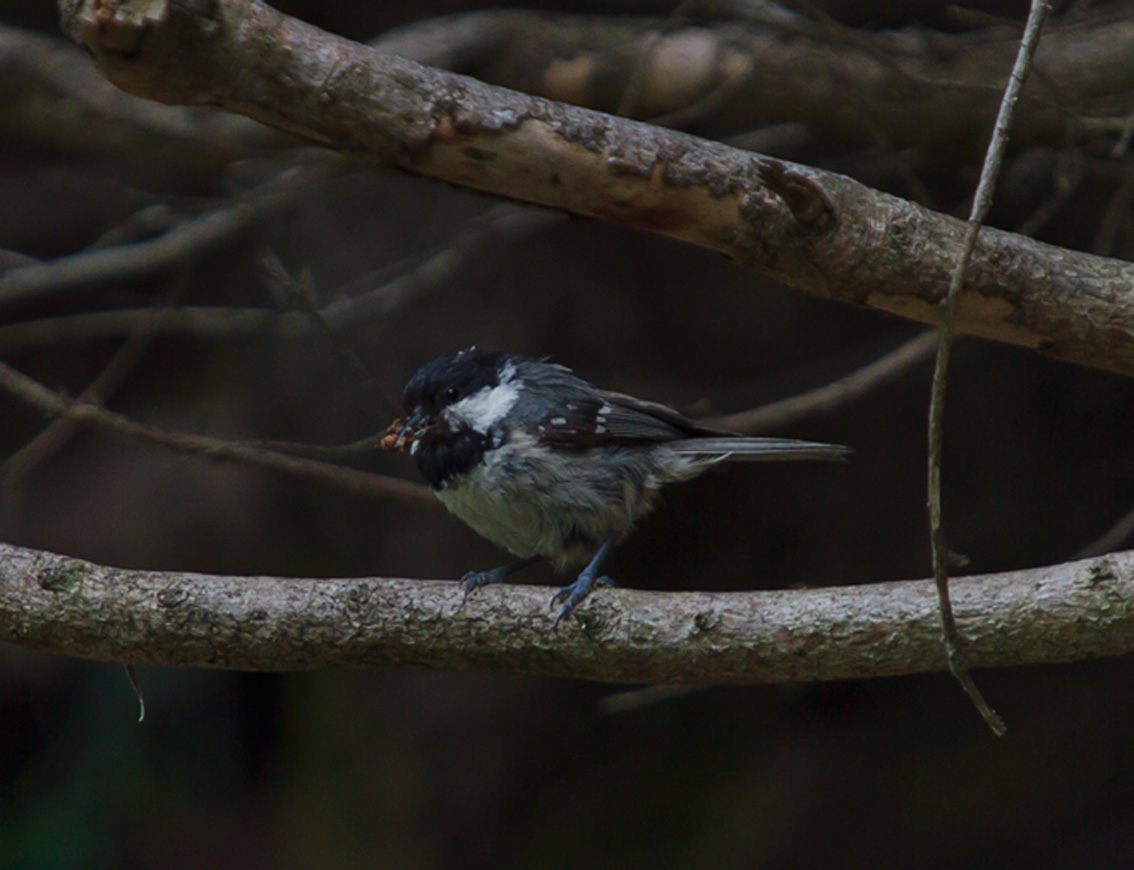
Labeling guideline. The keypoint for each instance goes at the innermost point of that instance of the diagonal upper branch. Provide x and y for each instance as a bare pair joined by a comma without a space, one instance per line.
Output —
816,231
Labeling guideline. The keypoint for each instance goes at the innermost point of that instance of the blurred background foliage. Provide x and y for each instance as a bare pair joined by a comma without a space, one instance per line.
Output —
406,769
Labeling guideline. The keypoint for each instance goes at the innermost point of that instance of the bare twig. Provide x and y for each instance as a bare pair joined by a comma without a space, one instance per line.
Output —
18,465
981,202
298,293
434,269
414,278
1114,538
14,260
1066,178
638,699
136,685
333,453
126,262
138,259
1126,132
835,395
1116,213
201,321
706,106
87,414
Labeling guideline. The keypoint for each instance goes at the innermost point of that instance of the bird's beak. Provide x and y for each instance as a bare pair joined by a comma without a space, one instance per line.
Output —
418,424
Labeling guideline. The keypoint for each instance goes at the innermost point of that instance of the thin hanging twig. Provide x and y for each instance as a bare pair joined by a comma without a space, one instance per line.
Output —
981,202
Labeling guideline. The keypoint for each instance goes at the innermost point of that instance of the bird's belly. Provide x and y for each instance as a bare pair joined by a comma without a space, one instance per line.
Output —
541,504
508,518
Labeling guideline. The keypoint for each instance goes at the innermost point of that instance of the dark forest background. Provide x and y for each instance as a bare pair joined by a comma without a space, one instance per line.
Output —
409,769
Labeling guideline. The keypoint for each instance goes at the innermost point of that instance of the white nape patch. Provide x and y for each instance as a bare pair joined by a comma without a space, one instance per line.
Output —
486,407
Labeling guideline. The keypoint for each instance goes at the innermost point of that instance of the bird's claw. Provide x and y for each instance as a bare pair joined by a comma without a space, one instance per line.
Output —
475,579
572,595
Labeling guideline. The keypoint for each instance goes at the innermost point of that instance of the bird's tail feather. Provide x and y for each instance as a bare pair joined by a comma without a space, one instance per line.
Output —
758,449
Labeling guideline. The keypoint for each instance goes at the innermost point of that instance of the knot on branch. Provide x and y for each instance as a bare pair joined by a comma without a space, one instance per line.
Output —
804,197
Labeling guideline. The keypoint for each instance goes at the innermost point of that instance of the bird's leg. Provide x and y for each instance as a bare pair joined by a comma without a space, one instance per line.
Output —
588,579
475,579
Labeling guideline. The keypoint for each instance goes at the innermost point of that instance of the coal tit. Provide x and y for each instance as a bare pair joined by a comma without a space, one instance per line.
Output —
547,466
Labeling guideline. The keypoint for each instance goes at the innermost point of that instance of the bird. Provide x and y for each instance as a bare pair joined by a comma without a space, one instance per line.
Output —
548,466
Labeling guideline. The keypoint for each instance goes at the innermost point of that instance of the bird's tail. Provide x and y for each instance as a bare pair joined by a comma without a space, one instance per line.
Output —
740,447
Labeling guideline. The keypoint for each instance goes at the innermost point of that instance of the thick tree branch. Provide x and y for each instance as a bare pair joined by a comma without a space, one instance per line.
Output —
819,232
1061,613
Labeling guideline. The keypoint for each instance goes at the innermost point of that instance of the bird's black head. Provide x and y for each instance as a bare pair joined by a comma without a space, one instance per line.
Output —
450,378
449,435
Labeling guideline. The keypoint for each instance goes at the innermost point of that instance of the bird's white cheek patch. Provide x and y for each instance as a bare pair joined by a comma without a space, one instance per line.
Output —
483,409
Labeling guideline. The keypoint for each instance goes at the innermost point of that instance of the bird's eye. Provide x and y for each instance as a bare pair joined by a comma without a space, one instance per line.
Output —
452,394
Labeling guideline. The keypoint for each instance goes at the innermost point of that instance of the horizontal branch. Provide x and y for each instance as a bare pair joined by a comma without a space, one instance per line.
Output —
816,231
57,604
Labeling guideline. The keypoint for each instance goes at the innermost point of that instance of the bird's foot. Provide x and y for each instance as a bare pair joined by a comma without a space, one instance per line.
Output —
572,596
475,579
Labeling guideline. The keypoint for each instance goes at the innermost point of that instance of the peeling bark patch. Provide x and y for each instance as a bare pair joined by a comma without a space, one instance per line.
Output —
470,117
620,167
588,132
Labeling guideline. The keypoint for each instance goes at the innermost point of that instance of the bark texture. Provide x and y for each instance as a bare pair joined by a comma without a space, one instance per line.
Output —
53,603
